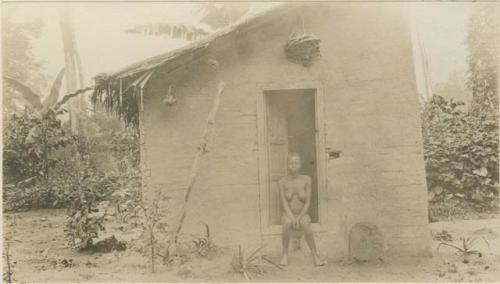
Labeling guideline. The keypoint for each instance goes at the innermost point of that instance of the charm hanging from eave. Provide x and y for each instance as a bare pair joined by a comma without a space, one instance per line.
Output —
169,98
302,49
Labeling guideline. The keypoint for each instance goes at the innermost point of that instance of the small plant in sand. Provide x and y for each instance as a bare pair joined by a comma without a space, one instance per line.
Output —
463,268
251,265
153,225
468,245
204,245
86,214
89,188
8,271
465,250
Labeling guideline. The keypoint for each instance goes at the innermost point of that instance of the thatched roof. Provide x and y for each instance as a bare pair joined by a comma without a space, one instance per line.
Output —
119,91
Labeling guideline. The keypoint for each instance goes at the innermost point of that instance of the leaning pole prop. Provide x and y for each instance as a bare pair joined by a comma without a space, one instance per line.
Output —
201,151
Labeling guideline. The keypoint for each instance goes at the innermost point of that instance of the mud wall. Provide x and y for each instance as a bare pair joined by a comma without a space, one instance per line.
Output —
370,113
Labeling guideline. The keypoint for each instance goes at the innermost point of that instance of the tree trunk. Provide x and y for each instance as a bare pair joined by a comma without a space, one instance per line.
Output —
74,76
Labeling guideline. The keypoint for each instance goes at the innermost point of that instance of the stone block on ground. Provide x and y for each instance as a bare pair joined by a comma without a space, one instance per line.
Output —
366,243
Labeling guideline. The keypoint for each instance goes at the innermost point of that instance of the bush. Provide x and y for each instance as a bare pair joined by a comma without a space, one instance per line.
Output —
29,140
461,151
41,194
87,189
43,162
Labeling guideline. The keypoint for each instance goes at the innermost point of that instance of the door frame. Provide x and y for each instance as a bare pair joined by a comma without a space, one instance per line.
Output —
321,155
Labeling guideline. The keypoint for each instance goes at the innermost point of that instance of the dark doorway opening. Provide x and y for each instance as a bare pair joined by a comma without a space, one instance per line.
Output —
291,127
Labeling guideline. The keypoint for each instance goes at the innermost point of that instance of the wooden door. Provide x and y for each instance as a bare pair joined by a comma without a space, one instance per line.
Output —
277,134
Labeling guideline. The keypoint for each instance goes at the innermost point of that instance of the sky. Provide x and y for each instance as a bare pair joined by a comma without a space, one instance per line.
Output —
442,26
104,47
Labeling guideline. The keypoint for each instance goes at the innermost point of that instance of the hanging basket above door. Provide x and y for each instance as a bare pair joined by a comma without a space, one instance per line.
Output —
302,49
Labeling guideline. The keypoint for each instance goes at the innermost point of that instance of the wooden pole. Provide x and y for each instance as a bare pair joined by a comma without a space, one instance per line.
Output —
202,150
73,64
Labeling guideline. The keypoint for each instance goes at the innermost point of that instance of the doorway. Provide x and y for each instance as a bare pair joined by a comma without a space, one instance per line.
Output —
290,127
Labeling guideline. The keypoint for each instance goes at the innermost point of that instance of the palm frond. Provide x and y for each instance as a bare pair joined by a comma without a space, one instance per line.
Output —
177,31
28,94
54,91
254,254
241,256
449,245
207,231
272,262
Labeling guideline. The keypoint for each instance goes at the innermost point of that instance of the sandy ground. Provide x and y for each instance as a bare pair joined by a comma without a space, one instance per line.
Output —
40,255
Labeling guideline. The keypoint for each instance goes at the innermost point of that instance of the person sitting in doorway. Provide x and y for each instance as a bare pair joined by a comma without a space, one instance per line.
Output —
295,195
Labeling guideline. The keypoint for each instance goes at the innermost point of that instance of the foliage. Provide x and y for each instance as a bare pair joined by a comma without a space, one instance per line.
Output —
125,148
469,259
85,218
448,209
88,188
32,135
122,146
213,16
9,263
35,194
481,40
461,151
248,266
41,157
154,229
219,15
17,53
29,139
8,274
188,33
461,145
466,249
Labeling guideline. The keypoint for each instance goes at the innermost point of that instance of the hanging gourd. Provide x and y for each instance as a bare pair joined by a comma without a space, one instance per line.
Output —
169,98
302,49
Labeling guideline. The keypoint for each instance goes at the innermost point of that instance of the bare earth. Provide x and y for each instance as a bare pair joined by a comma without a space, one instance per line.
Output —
40,255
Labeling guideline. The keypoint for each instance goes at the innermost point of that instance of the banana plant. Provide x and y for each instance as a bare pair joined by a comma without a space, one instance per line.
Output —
213,16
33,98
180,31
45,131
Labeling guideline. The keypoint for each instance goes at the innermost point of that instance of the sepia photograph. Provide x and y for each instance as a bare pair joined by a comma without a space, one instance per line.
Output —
250,141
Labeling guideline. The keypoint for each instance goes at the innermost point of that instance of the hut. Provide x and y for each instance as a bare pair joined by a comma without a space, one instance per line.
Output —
334,82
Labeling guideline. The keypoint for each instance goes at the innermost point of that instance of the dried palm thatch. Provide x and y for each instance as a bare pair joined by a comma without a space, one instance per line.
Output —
122,92
110,94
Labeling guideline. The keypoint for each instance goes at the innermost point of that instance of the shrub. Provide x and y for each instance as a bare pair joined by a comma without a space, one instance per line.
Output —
248,266
88,188
461,151
42,167
29,140
125,152
40,194
155,236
